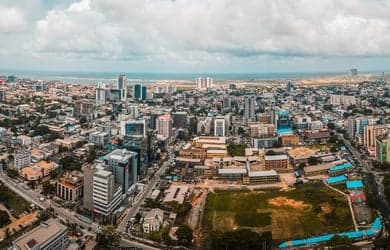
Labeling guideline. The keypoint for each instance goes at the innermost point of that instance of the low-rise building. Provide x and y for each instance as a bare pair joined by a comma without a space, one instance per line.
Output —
153,220
70,186
276,162
49,235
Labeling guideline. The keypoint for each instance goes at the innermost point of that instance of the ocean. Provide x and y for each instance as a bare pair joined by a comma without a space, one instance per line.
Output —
107,77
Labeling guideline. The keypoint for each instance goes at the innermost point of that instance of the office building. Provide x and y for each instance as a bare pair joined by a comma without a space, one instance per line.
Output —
164,125
22,158
133,112
249,108
122,85
353,72
204,126
106,193
219,126
101,94
382,149
227,103
140,92
48,235
203,83
180,119
124,165
134,128
70,186
153,120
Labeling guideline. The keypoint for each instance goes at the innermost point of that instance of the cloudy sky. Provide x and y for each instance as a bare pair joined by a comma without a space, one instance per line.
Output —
195,36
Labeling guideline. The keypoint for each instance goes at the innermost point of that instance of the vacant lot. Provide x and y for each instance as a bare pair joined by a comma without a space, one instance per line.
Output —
310,209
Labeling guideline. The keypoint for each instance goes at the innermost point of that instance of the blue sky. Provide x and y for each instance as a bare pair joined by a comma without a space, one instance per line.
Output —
195,36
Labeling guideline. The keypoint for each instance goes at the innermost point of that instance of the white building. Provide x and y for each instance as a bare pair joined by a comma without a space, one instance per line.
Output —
106,194
219,126
164,125
101,94
22,158
203,83
99,138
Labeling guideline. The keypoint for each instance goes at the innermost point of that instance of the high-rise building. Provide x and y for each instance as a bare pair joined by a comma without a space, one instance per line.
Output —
356,127
219,126
371,132
123,164
249,108
136,128
22,158
106,193
204,83
140,92
382,149
122,85
153,120
180,119
204,126
353,72
101,94
164,125
289,86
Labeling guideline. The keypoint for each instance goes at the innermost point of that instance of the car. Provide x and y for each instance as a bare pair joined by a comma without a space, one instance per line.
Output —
42,198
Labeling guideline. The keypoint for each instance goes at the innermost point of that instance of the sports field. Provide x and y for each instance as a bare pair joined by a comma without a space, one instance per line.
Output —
310,209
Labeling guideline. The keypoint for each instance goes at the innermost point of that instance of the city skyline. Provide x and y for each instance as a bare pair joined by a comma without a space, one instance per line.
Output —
186,36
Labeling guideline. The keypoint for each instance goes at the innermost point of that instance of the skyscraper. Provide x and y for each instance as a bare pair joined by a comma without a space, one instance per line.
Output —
122,85
140,92
249,108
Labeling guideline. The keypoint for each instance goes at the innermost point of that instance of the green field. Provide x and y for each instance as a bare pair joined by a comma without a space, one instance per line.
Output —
308,210
12,200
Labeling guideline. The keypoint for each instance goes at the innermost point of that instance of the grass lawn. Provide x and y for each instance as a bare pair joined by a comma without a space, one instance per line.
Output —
12,200
308,210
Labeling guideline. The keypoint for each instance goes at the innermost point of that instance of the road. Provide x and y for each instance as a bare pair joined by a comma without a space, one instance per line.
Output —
33,198
133,210
370,178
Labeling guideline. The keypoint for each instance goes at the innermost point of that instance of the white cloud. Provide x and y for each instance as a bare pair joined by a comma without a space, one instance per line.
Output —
11,20
207,31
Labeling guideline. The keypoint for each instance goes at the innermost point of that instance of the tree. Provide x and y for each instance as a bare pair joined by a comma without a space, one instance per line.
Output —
331,126
340,241
48,188
4,218
92,156
184,235
108,237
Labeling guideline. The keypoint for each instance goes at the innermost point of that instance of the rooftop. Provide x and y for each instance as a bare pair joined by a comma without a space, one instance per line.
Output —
40,235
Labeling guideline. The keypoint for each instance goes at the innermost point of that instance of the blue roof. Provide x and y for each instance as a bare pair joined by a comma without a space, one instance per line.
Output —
374,230
336,179
284,131
283,112
354,184
340,167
